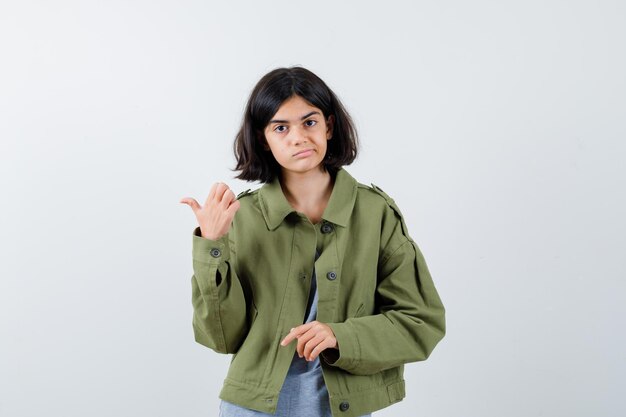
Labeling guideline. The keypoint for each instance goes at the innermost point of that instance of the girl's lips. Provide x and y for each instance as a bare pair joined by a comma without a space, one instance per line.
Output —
304,154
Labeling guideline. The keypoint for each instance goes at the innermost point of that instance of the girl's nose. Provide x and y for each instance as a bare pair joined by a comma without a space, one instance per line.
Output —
298,135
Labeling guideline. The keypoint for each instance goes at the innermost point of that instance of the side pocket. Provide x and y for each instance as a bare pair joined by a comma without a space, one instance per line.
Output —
359,310
252,314
255,312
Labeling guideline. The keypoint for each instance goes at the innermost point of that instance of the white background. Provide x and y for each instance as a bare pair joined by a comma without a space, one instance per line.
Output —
498,127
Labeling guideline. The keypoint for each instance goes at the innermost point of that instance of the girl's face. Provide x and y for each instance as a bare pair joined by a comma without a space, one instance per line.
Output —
297,135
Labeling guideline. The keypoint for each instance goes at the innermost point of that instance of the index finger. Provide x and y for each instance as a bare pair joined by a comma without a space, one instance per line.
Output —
295,332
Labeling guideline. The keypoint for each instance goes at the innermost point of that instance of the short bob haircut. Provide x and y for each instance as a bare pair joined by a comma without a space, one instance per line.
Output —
280,84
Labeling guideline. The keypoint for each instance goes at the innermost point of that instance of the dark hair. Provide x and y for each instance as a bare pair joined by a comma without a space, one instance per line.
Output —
270,92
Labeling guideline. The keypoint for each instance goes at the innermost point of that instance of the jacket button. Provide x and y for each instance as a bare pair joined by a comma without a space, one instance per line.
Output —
344,406
331,275
215,252
327,228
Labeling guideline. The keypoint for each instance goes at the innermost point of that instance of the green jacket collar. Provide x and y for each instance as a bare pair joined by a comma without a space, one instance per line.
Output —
275,206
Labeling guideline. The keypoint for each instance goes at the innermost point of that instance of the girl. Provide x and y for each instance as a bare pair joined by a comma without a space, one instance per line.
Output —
311,281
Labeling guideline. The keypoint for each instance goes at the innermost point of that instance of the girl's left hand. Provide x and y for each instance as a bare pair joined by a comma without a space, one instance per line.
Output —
313,337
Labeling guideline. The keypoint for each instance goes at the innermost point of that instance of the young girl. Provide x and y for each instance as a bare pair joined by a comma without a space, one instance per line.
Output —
311,281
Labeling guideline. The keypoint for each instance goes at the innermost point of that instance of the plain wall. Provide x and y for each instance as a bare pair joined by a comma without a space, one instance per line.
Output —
498,128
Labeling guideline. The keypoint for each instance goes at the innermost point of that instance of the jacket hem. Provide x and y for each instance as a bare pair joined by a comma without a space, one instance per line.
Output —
249,396
367,401
361,402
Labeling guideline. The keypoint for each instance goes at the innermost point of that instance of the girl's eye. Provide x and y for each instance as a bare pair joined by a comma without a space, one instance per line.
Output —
282,128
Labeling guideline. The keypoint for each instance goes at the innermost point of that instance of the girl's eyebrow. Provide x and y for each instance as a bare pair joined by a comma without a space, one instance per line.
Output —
302,118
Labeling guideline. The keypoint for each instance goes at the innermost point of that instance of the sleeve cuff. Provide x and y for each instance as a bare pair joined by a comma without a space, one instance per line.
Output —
209,250
346,357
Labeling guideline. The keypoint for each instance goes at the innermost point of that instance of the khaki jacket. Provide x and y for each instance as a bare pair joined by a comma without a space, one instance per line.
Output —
251,286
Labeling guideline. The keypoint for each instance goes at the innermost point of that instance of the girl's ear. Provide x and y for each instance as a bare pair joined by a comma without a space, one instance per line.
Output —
330,124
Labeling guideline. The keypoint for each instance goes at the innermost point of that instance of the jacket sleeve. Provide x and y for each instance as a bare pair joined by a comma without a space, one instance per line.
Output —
410,320
219,306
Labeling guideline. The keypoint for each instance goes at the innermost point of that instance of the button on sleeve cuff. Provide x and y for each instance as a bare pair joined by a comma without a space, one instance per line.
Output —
209,250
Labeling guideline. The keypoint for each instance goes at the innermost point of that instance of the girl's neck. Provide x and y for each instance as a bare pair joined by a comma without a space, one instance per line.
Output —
308,192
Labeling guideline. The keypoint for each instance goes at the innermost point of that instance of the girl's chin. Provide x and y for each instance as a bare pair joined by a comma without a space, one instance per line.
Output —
302,168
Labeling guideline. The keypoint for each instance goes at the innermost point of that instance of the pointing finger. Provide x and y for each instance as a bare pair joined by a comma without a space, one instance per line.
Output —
297,332
288,338
191,203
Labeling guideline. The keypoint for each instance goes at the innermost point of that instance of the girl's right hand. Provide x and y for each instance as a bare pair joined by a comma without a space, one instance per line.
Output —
216,216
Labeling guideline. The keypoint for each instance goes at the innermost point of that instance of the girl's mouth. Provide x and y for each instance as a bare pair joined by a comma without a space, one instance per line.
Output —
304,154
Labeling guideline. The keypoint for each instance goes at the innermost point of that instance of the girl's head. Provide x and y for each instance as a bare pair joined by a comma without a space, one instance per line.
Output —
289,110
